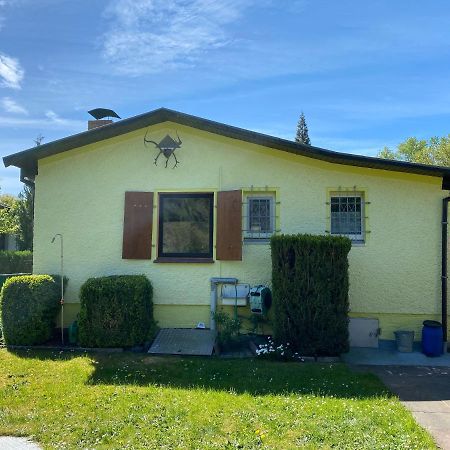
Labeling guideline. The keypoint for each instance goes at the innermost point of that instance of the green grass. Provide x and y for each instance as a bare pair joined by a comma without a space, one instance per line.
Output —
68,400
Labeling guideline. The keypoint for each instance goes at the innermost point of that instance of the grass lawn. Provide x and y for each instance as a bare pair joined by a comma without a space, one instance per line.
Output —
68,400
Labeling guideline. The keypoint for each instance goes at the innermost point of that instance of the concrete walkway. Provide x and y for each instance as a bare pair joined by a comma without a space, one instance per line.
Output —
384,357
17,443
425,391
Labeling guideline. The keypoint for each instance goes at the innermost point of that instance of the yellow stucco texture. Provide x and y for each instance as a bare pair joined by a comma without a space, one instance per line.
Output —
80,193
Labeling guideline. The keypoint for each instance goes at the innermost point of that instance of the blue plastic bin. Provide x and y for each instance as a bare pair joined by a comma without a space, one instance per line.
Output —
432,338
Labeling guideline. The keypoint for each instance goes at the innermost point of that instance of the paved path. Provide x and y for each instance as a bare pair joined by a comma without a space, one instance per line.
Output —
386,357
17,443
426,392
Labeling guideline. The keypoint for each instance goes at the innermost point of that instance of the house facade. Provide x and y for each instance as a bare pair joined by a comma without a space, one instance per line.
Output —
210,213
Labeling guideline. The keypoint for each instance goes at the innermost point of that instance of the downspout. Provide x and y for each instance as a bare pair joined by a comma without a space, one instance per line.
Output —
26,179
29,181
445,203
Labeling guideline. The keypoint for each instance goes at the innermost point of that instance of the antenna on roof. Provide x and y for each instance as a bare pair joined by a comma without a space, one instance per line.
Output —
101,113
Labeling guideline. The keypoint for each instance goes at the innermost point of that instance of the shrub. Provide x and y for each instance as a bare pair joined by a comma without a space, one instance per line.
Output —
228,329
310,292
116,311
28,308
16,262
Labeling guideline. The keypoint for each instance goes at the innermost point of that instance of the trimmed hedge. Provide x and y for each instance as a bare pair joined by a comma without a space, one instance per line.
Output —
16,262
310,292
28,308
116,311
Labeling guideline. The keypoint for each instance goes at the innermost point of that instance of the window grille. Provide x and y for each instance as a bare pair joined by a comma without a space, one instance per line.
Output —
260,217
347,216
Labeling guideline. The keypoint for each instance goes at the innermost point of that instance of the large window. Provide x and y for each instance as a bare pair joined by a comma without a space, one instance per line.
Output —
347,216
185,225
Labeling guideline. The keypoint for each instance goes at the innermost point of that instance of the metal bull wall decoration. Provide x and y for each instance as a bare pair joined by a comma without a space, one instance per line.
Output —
167,147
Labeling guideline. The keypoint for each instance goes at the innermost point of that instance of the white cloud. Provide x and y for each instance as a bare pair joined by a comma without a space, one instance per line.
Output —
54,119
53,116
11,72
152,36
11,106
4,4
51,121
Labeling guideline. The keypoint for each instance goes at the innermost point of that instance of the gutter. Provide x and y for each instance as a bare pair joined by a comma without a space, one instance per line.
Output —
28,158
444,277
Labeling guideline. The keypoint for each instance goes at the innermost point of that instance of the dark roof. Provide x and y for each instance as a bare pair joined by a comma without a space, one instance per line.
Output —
27,159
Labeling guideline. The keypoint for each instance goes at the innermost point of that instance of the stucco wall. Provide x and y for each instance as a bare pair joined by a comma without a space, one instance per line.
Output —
81,194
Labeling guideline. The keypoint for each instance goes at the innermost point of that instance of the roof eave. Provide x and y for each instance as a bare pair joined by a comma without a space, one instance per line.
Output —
27,159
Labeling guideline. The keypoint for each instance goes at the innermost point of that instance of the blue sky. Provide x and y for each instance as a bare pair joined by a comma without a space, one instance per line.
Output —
366,74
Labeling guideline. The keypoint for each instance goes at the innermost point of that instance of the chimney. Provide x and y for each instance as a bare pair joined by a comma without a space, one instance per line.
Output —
98,123
102,117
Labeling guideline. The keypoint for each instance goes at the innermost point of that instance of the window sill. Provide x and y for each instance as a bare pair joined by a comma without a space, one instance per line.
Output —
265,241
166,259
355,242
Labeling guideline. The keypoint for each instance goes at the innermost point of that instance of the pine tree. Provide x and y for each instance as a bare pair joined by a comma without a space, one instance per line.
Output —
302,136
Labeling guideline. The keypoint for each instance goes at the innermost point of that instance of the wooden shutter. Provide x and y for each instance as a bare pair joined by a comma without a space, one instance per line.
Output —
229,226
137,225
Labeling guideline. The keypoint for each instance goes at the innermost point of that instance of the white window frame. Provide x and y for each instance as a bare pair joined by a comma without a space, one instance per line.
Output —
257,235
356,238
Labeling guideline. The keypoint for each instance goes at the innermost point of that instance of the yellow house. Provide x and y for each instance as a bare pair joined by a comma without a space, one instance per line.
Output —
185,201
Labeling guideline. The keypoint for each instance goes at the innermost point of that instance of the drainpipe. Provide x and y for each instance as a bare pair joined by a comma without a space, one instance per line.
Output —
215,281
445,203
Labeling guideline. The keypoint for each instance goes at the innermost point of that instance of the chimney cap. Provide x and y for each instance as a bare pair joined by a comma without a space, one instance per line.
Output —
101,113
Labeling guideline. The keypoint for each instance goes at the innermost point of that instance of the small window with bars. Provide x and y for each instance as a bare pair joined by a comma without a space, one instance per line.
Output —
260,221
347,216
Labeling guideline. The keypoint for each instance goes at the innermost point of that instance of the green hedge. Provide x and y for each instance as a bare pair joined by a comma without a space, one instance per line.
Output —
16,262
116,311
310,292
28,308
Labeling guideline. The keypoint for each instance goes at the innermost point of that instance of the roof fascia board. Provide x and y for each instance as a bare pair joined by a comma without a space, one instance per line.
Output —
28,158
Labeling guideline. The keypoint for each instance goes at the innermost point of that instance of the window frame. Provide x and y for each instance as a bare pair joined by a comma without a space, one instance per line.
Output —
191,255
355,238
250,236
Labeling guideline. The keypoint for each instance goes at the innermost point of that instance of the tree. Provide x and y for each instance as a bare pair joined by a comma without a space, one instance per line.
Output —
302,136
25,212
25,218
386,153
16,217
434,151
9,223
17,214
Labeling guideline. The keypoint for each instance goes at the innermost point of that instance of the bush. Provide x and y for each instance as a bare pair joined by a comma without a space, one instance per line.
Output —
116,311
28,308
310,292
16,262
228,329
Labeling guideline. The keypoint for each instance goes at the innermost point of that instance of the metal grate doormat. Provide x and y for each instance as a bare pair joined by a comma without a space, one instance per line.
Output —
183,341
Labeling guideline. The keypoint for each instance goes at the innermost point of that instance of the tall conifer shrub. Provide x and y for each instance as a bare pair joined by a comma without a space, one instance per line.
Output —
310,292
